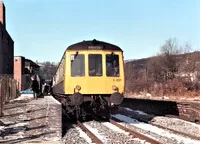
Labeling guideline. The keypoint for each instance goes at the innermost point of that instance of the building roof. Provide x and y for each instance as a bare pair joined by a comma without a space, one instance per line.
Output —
31,62
19,56
93,45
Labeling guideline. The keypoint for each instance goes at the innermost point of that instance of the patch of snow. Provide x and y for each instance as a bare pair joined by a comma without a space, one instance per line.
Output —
96,133
155,129
23,117
190,123
165,97
148,95
137,111
20,134
114,128
53,139
21,124
142,141
140,112
52,99
128,109
23,97
11,137
83,135
196,99
2,128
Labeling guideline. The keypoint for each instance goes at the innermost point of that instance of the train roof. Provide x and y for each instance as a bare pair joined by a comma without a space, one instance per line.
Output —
93,45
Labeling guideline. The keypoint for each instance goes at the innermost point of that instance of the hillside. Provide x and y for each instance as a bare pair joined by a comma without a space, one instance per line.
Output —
172,72
185,61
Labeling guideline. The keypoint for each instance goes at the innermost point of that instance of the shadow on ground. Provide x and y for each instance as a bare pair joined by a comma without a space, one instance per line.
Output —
18,130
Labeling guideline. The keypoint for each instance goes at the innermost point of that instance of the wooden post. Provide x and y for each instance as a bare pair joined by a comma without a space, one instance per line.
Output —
1,99
6,90
8,93
3,91
12,89
146,79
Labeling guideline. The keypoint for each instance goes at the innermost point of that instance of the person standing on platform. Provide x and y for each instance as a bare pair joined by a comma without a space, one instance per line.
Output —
35,86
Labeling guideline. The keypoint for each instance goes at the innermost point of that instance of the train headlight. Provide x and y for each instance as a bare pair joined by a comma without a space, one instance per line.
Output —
78,87
115,88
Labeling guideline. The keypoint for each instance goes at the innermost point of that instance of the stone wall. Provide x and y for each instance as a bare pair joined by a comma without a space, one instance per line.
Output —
186,110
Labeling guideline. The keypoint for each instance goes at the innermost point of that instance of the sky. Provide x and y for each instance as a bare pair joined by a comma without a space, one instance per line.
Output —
43,29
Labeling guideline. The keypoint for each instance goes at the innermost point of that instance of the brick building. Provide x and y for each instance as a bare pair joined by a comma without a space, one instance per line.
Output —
31,67
6,45
23,70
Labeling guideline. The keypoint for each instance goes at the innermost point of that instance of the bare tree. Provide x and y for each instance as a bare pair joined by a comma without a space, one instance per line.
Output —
167,60
186,48
48,70
170,47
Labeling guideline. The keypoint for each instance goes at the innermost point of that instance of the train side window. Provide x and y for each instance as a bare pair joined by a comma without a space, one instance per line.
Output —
95,65
77,65
112,65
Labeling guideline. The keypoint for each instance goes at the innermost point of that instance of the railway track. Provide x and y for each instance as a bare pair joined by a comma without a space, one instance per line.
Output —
169,129
175,131
134,133
94,138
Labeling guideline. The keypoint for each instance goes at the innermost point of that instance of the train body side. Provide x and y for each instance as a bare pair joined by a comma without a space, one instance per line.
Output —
59,77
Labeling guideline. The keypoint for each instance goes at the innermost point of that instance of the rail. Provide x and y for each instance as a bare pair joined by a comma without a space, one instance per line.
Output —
134,133
175,131
89,133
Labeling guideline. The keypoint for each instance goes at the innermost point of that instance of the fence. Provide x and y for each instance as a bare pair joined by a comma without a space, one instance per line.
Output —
8,90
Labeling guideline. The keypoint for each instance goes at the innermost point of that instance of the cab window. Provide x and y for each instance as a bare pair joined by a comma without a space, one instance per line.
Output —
77,65
95,64
112,65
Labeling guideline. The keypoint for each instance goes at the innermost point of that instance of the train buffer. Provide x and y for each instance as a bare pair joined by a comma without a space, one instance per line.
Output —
34,121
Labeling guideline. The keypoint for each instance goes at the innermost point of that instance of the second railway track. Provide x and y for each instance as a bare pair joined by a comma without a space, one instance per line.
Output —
134,133
143,118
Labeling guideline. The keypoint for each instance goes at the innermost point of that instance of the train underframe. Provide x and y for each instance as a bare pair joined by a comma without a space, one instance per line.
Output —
79,106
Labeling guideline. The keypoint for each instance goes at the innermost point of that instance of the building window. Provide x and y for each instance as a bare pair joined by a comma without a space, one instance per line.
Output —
77,65
112,65
95,65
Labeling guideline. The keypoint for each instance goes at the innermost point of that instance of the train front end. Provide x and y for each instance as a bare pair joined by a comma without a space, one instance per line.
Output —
94,76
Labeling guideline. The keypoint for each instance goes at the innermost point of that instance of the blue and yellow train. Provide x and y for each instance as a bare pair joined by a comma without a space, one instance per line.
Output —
90,78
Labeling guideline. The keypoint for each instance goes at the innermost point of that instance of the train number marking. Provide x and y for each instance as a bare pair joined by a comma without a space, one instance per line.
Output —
116,80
